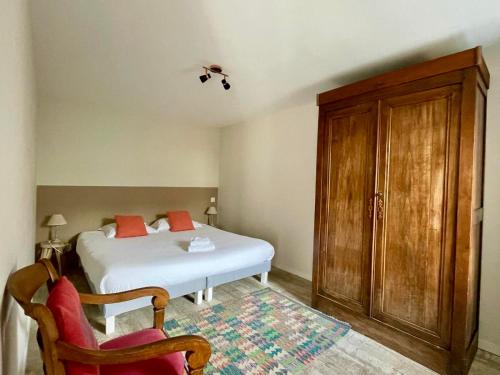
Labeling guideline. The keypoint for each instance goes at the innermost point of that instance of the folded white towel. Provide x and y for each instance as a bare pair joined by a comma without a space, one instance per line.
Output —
200,241
200,248
200,244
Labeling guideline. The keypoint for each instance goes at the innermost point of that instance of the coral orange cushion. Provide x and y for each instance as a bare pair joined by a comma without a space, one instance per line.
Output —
130,226
172,363
179,221
73,326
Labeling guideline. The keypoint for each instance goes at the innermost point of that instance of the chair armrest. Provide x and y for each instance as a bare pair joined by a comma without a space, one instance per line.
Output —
196,347
159,300
160,296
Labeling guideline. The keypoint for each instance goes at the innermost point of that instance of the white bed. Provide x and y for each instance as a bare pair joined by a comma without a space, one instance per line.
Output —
161,259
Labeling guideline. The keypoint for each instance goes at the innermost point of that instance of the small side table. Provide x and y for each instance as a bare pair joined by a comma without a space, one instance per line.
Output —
59,248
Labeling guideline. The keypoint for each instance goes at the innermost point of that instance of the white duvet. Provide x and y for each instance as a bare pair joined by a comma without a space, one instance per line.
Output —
161,259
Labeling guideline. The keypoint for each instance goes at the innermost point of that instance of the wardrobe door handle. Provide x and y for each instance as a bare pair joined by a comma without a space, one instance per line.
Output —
380,206
370,208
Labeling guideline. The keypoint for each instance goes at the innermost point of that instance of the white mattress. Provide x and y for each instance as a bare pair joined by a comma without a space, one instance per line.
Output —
119,264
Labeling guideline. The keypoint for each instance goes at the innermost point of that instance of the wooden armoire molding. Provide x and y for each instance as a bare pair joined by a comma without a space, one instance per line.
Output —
441,65
399,201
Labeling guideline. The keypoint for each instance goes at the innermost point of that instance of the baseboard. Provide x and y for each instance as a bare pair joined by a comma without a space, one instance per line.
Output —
303,275
489,346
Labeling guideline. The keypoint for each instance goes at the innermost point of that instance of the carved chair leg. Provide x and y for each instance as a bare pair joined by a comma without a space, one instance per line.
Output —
158,318
263,277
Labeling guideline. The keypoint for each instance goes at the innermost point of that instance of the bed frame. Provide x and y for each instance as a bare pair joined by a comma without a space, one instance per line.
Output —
199,287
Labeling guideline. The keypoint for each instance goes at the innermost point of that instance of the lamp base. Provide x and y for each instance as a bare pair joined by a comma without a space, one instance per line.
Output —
211,220
53,235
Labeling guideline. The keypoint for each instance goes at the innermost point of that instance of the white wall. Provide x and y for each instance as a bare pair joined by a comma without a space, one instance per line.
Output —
489,323
267,189
267,183
87,145
17,174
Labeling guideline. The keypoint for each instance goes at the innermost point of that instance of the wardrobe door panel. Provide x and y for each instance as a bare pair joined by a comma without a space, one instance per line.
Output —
416,212
345,259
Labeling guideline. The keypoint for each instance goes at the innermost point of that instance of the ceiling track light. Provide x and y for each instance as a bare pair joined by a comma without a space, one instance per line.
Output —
205,77
215,69
225,84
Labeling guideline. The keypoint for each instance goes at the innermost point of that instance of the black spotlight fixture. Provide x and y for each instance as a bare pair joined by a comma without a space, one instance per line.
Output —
205,77
217,69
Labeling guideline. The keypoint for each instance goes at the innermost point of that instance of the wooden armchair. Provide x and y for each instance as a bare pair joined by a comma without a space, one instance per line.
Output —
24,283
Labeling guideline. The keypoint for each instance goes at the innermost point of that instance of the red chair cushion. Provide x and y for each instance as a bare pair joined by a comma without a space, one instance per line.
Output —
130,226
72,324
179,221
167,364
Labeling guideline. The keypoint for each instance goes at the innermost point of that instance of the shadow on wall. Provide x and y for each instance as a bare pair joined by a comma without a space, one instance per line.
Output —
418,54
14,335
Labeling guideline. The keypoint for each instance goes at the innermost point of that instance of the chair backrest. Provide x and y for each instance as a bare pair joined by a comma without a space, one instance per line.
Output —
22,285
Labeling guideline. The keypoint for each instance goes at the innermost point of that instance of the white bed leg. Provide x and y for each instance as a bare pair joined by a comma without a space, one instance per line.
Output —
263,277
110,325
209,292
198,297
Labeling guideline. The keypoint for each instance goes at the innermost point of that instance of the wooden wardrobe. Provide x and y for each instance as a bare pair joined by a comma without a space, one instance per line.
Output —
399,208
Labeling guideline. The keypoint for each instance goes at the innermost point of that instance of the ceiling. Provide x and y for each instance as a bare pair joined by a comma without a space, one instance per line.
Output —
146,55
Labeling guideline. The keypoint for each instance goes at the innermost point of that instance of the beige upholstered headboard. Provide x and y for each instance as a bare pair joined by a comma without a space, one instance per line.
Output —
89,207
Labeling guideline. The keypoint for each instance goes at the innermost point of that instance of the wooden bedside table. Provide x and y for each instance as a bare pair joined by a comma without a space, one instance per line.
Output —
58,247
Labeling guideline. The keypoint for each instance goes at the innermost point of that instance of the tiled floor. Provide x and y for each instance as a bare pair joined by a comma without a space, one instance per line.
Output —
354,354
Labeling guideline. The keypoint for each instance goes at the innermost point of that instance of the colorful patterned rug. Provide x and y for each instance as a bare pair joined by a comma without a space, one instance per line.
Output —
261,333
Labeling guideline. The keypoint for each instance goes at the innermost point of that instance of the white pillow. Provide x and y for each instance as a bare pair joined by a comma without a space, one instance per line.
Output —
110,230
161,225
151,230
197,225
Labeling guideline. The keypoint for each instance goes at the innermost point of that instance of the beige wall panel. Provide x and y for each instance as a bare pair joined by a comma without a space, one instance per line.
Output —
89,207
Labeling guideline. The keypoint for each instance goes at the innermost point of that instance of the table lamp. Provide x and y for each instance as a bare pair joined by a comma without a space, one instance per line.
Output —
55,221
211,212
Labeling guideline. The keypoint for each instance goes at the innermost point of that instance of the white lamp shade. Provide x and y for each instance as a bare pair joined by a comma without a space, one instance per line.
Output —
212,210
56,220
